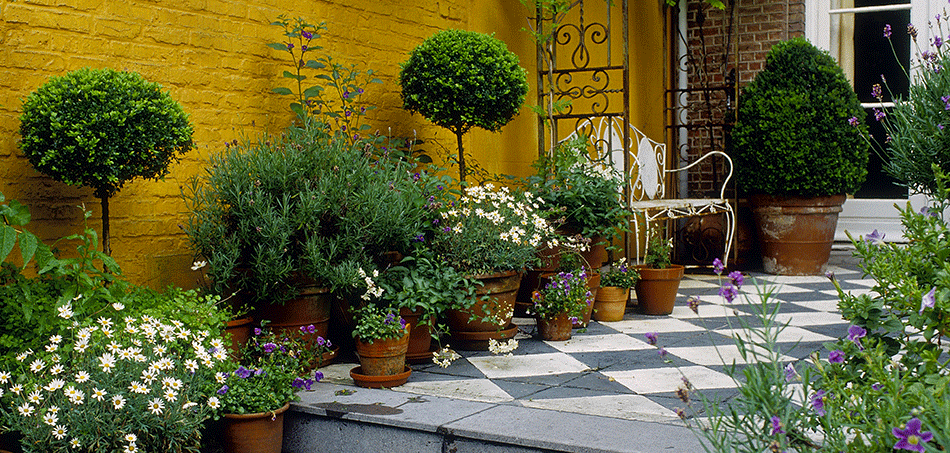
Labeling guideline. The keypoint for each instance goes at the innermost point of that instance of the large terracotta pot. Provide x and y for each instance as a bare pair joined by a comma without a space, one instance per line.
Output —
796,233
310,306
596,255
383,357
495,298
420,336
611,303
558,328
254,433
656,289
238,331
593,285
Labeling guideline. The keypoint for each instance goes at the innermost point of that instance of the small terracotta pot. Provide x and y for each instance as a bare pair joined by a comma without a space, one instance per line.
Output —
420,337
558,328
254,433
656,289
383,357
611,303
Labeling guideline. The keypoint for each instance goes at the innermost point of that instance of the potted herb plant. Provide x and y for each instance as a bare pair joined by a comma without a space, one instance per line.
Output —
382,339
559,305
659,280
581,196
250,396
798,151
610,302
490,234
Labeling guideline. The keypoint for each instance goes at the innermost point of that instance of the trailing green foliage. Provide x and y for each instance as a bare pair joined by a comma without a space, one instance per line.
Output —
794,132
16,215
101,128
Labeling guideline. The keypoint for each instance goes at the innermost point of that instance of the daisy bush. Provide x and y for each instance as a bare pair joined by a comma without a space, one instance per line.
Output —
106,386
490,229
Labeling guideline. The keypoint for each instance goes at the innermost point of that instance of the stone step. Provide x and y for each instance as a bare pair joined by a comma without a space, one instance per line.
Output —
343,418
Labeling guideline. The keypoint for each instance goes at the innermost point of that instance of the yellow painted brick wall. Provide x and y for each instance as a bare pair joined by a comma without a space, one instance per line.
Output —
211,56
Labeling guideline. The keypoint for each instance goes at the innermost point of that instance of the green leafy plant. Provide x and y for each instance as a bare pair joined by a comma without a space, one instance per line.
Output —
299,204
16,215
461,79
567,292
619,275
582,196
427,287
146,376
269,373
102,128
915,125
799,125
375,322
658,251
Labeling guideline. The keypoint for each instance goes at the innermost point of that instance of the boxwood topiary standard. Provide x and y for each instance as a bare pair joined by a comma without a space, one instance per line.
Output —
101,128
462,79
799,127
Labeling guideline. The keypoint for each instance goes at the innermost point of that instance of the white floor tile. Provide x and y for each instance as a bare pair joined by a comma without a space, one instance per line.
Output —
664,380
805,319
718,355
790,334
590,343
496,367
653,324
630,407
465,389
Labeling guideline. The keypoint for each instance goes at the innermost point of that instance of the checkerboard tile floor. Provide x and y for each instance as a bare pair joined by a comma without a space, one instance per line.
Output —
610,370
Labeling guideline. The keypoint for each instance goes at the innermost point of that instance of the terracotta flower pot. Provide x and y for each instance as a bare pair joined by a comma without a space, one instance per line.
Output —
501,290
558,328
383,357
420,337
656,289
239,331
796,233
311,306
611,303
593,285
254,433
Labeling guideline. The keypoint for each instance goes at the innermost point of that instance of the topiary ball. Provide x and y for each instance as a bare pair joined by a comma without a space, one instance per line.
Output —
799,127
102,128
460,79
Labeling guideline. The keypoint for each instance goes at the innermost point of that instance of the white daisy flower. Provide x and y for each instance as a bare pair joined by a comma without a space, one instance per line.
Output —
59,431
25,409
50,418
5,377
213,402
65,310
35,397
81,377
118,402
98,394
37,365
156,405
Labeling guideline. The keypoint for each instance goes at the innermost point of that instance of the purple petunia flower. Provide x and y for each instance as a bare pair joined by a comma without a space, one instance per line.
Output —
321,341
874,238
911,438
651,338
318,376
776,426
818,402
718,267
929,300
855,334
311,329
257,331
836,356
297,383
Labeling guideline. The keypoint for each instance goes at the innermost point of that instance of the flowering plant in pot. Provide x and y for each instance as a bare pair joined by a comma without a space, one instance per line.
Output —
615,283
659,279
382,339
146,376
798,151
582,197
560,303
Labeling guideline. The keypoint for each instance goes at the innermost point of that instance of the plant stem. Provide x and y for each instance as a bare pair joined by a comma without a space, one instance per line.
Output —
106,245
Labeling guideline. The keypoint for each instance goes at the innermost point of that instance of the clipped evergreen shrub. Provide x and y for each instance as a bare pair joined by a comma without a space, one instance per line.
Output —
102,128
462,79
799,127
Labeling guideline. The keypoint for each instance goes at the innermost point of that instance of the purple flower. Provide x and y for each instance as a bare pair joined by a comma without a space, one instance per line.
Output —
938,41
776,426
306,34
242,372
419,238
693,303
346,95
728,292
257,331
259,371
855,334
651,338
853,121
790,373
662,352
877,387
911,438
718,267
836,356
224,389
879,114
830,275
912,30
321,341
318,376
929,300
737,278
874,238
290,46
311,329
887,31
876,91
269,347
946,102
818,402
297,383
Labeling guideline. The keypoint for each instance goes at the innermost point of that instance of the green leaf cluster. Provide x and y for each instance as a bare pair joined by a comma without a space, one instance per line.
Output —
619,275
374,322
16,215
792,134
101,128
461,79
299,204
426,286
